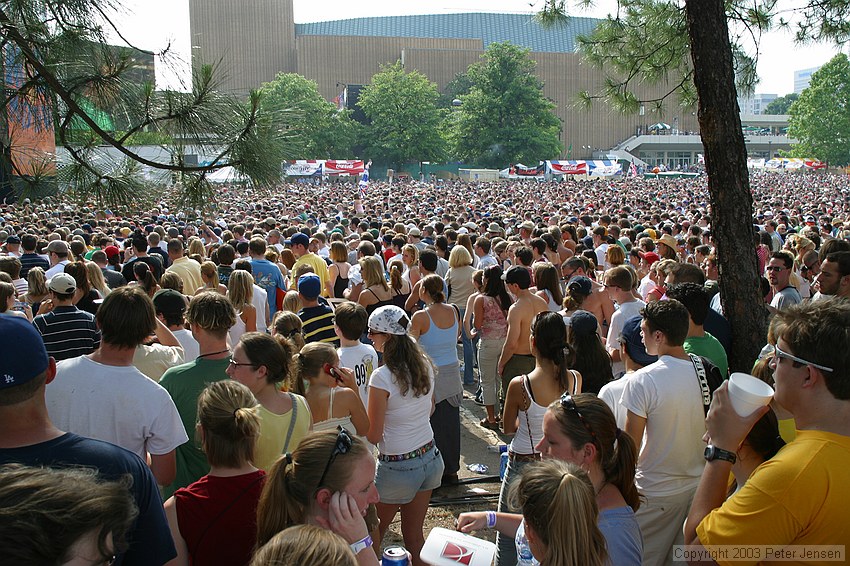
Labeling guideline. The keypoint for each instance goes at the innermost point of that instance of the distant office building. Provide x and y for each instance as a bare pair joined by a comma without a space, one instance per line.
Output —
803,78
756,103
253,41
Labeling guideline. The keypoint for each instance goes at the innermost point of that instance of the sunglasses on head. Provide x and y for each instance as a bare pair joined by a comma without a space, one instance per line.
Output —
569,404
341,446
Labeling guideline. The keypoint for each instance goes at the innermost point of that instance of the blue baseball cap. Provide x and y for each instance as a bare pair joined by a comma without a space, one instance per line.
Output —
310,285
299,238
635,348
23,358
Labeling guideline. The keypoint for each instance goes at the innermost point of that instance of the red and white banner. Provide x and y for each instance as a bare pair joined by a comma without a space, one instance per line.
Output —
340,167
568,167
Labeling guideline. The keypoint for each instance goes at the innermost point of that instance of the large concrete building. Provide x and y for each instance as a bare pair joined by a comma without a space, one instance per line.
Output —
253,41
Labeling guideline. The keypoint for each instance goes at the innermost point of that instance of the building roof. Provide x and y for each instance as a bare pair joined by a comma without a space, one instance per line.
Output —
519,29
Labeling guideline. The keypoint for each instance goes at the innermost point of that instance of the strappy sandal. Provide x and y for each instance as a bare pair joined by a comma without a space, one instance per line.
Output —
494,425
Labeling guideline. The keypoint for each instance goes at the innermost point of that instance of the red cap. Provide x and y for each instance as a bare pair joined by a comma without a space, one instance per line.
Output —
650,257
111,251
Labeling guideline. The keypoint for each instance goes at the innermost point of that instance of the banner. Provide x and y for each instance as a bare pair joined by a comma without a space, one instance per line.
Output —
567,167
521,170
302,168
605,168
340,167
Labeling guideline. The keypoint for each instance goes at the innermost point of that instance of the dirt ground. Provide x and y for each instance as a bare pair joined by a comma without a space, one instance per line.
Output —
474,443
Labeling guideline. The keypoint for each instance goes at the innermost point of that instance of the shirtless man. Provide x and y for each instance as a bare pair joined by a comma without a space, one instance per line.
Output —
516,358
598,303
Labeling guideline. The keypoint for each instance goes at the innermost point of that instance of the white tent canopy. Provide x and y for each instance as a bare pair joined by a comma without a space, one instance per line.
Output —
227,174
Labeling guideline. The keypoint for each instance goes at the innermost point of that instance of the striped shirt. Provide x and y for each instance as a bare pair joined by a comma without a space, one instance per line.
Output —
68,332
318,324
28,261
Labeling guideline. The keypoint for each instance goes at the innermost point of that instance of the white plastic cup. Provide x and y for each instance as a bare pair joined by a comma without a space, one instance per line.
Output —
748,393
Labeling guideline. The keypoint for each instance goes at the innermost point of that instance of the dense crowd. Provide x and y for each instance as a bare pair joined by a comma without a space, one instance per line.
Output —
282,373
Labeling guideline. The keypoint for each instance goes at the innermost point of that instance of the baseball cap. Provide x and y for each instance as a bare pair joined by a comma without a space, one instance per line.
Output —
518,275
24,358
635,348
414,232
580,284
389,319
299,238
58,247
583,322
310,285
169,301
13,239
111,251
62,283
650,257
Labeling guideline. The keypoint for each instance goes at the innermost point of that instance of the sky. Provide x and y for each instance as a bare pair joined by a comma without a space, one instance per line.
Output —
152,24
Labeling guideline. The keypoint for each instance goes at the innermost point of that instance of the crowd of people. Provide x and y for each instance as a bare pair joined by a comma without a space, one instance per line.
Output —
282,375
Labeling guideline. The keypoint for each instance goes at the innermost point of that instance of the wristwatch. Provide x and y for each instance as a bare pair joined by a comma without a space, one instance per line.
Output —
715,453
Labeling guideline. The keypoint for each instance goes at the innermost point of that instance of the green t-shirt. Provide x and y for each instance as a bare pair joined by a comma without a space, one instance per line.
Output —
184,383
707,346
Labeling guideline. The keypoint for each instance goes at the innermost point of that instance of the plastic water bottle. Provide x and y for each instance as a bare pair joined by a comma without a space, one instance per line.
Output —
503,464
478,468
498,448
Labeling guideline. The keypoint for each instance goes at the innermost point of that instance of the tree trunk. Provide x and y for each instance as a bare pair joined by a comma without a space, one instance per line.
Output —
728,180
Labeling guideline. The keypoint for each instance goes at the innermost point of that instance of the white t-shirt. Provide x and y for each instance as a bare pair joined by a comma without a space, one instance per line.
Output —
407,424
611,393
191,349
117,404
667,393
363,360
646,286
153,360
259,300
625,312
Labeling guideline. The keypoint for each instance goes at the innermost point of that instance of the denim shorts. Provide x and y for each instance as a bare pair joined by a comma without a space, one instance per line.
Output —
399,482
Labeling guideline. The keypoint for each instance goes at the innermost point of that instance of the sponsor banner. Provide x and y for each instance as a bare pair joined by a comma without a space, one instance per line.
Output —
605,168
302,168
340,167
567,167
521,170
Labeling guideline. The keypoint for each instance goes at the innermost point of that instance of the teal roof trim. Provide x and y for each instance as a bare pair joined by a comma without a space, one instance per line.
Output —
519,29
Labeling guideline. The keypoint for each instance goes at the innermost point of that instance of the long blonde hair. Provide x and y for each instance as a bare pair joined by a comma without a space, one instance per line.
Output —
558,502
373,273
240,289
96,279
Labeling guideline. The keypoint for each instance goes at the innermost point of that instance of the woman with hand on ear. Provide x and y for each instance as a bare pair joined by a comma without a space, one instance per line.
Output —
328,481
333,395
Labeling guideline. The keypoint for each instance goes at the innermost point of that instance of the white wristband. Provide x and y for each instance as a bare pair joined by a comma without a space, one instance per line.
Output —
491,519
360,545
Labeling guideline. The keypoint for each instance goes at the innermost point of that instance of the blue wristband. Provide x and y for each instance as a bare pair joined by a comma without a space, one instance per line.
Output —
491,519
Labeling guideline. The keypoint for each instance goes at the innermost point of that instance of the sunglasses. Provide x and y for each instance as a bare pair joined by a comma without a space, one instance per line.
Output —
341,446
806,268
569,404
801,361
774,268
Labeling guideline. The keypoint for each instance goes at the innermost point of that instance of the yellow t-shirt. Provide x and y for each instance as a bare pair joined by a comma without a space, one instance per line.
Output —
320,268
798,497
787,430
273,431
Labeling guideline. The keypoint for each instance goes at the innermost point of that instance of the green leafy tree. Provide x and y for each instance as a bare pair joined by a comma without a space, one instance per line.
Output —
66,75
696,48
504,118
820,118
781,105
404,119
456,87
319,128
